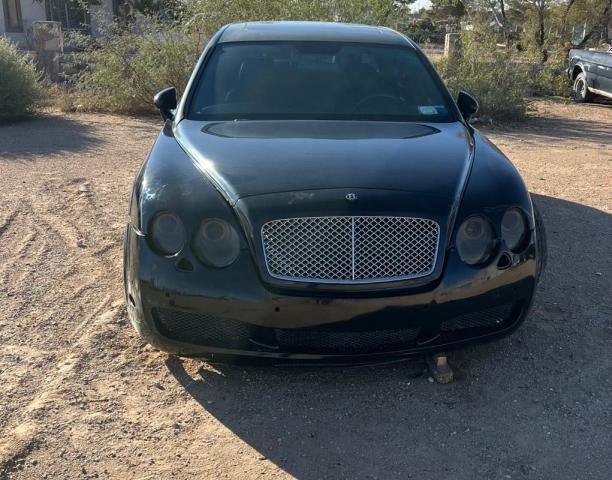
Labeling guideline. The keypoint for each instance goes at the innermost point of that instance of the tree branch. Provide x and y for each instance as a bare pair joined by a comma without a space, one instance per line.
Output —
569,6
603,19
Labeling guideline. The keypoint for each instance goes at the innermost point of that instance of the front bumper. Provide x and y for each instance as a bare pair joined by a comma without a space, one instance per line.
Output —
232,312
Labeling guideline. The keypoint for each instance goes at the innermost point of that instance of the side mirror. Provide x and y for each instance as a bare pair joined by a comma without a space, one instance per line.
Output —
467,104
166,102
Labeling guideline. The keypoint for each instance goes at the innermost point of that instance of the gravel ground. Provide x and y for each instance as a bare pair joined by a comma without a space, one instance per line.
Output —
82,397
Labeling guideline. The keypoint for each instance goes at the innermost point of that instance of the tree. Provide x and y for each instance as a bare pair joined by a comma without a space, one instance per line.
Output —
448,9
209,15
595,14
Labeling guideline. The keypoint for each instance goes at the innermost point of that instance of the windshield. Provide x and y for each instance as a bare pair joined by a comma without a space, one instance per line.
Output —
318,80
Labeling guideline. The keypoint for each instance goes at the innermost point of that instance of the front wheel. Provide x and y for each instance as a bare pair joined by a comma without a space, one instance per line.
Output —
581,89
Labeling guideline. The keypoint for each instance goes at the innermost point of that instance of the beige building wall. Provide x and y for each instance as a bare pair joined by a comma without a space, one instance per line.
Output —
32,10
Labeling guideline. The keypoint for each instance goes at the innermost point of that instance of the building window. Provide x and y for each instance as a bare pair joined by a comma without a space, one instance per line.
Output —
72,14
12,15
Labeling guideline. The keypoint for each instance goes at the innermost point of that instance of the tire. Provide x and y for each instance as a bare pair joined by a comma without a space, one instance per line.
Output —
581,91
541,243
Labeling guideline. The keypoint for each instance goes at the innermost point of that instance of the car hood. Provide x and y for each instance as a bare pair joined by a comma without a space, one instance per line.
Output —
250,158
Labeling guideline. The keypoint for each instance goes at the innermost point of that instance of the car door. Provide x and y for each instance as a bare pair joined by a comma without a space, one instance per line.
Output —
601,69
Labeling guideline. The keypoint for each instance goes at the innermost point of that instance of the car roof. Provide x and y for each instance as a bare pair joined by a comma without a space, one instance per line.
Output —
311,31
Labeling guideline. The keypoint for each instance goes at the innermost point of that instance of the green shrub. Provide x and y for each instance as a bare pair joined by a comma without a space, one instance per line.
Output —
127,66
20,92
550,78
490,73
123,71
210,15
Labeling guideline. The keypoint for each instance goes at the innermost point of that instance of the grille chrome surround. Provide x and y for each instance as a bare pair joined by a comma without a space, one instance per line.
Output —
350,249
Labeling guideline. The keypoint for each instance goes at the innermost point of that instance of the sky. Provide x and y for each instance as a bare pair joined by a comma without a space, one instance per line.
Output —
416,6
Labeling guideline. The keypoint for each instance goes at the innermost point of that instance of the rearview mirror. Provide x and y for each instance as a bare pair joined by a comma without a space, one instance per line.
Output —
166,102
467,104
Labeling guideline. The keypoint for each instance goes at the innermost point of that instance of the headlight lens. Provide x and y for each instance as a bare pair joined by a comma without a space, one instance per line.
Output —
514,228
216,243
475,240
167,234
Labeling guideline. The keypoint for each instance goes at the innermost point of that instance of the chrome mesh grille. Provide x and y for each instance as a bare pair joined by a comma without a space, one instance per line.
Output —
350,249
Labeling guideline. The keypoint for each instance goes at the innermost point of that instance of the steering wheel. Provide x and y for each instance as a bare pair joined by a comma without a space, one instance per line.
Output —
385,96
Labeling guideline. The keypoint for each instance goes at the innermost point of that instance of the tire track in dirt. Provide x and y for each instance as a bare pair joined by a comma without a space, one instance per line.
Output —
14,243
20,438
77,331
80,208
28,254
55,257
60,239
25,262
61,251
8,220
17,255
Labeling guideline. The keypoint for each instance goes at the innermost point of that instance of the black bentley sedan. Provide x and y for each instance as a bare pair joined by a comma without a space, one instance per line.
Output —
317,194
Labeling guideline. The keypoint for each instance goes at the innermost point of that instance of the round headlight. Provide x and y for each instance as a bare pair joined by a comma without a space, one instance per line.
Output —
216,243
475,240
514,228
167,234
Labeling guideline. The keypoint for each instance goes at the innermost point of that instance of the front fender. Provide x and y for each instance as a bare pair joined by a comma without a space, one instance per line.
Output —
169,181
493,186
579,68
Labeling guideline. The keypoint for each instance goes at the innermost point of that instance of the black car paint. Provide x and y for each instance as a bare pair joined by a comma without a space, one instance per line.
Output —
260,165
461,174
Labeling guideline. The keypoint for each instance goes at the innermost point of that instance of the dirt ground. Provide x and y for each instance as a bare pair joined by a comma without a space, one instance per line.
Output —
81,396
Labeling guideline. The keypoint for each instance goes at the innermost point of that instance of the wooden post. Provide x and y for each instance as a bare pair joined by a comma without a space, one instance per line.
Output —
452,42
